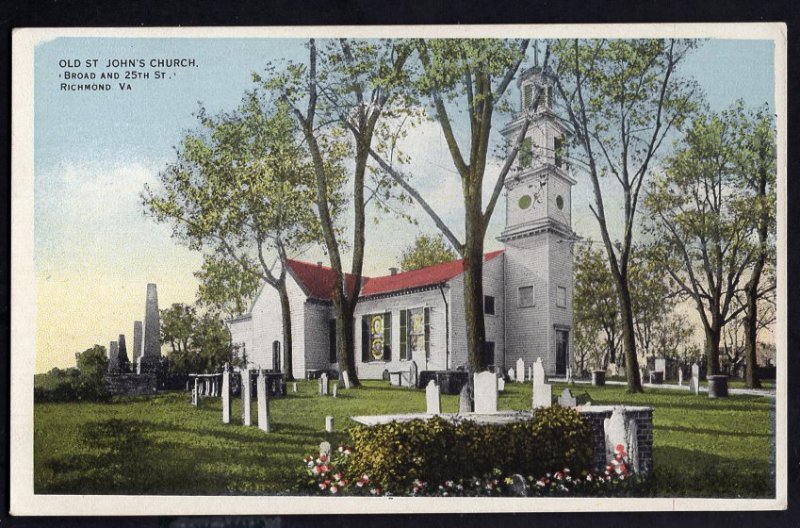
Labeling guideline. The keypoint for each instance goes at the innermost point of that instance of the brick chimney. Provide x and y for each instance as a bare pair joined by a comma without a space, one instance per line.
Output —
392,271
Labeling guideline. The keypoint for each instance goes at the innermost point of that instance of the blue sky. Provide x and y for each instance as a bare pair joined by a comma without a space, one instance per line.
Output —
94,151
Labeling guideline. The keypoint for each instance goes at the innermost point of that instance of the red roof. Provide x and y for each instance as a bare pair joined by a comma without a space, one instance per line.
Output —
318,281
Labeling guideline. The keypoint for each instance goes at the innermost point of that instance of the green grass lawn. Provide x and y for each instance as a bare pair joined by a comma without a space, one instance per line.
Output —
163,445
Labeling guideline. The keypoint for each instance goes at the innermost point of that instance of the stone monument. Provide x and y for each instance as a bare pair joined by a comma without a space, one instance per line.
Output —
113,357
520,370
433,398
542,391
151,340
566,399
263,401
246,397
137,344
485,392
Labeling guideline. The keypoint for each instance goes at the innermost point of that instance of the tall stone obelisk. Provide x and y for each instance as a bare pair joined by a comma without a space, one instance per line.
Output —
113,357
151,349
137,344
123,363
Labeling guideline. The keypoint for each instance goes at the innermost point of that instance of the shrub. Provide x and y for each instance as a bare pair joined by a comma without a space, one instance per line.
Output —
84,383
397,454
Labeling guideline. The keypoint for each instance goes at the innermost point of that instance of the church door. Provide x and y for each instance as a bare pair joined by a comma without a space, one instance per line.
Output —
562,352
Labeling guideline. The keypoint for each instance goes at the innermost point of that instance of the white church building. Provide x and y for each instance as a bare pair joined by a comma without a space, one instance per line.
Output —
419,315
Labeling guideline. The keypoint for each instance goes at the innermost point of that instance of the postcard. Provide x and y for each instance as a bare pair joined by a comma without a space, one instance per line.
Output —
285,270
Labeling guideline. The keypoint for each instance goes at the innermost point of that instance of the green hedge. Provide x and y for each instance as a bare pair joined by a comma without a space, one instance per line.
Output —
437,450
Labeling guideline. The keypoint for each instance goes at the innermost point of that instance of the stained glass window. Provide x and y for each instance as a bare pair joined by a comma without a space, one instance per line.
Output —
414,332
376,337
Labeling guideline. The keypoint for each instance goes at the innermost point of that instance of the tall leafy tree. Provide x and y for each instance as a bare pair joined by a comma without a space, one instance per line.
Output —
338,99
426,251
470,76
240,189
595,306
224,286
621,99
701,222
756,173
652,302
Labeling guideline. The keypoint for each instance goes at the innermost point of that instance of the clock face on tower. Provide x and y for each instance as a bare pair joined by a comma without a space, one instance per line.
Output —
525,201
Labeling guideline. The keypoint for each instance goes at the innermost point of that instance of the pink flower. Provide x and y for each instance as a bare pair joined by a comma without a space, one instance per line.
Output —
334,490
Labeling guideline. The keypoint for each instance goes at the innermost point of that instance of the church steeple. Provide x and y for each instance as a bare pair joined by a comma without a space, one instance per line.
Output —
539,186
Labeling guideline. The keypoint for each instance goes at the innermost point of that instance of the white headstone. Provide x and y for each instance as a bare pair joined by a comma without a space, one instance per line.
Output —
294,386
542,392
346,379
501,384
512,374
464,404
263,402
226,394
694,384
329,424
520,370
323,384
567,399
661,365
325,448
619,431
246,397
485,392
335,391
680,376
433,398
195,393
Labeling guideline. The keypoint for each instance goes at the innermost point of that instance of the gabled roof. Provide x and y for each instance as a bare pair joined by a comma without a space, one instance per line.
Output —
409,280
318,281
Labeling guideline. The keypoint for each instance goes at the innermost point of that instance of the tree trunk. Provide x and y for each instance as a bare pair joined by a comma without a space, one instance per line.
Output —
750,331
628,336
286,316
345,339
713,338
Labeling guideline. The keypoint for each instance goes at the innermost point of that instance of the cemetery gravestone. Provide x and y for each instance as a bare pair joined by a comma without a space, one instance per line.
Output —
464,405
325,449
501,384
113,357
226,394
294,386
329,424
518,486
618,432
542,392
694,383
137,341
566,399
485,392
512,374
680,376
195,395
335,391
323,385
151,338
520,370
246,388
433,398
263,401
345,379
